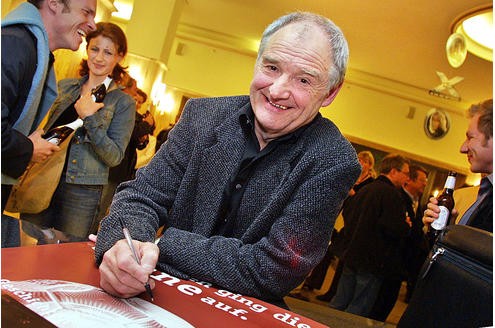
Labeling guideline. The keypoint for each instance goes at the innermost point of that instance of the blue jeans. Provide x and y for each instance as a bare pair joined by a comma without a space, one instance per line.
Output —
356,291
10,232
73,210
11,236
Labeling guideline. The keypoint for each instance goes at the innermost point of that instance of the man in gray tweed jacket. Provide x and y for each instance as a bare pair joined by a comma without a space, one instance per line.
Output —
247,188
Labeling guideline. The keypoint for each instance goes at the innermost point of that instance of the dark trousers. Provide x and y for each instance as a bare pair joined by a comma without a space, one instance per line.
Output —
385,301
335,282
317,276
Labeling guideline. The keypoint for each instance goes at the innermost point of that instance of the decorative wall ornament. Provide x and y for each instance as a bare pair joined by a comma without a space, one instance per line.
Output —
437,123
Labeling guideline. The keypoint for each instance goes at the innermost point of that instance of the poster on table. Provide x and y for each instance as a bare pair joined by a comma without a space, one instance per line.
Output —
61,284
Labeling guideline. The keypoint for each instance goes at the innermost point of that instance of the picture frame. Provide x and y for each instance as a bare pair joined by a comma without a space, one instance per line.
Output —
437,123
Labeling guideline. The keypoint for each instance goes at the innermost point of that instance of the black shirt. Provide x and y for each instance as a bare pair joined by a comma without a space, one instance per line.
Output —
232,194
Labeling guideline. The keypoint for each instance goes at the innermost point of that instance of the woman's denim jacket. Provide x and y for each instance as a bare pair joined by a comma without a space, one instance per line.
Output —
101,142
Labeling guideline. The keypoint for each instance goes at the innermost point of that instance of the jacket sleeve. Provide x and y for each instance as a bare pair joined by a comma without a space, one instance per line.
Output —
17,57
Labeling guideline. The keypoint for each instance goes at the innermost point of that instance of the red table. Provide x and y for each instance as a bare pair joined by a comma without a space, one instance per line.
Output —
66,275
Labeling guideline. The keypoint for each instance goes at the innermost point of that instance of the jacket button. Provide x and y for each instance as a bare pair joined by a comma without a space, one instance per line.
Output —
74,161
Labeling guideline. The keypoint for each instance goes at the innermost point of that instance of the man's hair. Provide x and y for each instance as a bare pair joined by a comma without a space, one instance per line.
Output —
485,122
336,40
414,169
37,3
392,161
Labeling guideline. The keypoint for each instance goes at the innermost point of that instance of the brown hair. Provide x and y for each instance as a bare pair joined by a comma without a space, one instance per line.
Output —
393,161
414,169
485,122
37,3
142,94
114,33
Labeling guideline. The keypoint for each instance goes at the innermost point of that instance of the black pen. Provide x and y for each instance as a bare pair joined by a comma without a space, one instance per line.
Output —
127,236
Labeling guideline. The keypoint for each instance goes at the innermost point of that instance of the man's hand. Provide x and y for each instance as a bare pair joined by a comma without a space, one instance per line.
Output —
42,149
121,275
432,211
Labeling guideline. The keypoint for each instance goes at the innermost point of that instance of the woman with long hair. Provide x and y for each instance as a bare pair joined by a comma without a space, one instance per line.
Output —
97,145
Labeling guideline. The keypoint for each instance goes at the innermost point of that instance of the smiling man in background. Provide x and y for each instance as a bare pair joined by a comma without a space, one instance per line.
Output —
478,148
30,33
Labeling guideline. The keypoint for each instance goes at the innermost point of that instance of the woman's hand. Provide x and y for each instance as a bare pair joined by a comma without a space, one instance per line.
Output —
85,106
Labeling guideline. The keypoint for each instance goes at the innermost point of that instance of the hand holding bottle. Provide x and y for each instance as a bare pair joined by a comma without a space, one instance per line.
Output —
42,149
86,106
433,211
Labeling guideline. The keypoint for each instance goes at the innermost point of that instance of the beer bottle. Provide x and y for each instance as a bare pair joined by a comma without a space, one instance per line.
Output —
99,92
446,204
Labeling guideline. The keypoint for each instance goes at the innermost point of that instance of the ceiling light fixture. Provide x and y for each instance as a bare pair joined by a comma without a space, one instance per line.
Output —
124,9
473,32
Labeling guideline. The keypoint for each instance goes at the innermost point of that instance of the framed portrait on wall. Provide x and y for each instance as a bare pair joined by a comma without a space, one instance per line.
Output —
437,123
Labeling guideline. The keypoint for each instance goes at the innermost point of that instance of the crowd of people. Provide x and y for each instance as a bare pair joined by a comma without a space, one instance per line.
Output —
383,241
246,189
101,153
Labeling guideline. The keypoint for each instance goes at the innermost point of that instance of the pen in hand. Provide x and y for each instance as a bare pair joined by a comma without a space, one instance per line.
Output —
128,238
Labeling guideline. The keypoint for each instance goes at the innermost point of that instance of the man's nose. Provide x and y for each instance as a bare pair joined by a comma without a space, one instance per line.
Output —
280,88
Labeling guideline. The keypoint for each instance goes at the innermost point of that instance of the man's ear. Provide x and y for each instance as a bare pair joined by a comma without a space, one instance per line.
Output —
331,95
53,5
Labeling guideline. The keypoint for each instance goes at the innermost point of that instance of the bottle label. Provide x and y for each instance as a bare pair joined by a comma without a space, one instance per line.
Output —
54,140
441,222
450,182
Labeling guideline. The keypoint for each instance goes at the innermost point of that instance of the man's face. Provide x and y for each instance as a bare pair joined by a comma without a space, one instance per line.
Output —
399,177
72,23
417,186
291,81
478,149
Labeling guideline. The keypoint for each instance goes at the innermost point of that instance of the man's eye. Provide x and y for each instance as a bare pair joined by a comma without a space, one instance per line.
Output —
304,81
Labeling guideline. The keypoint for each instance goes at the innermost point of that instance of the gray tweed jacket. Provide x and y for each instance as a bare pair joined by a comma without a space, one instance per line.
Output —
284,219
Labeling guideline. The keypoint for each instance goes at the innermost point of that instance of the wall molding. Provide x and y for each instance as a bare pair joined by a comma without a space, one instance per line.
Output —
232,43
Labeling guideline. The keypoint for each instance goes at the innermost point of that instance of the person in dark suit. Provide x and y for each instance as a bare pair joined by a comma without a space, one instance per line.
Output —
247,187
30,33
377,224
478,147
414,246
337,248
